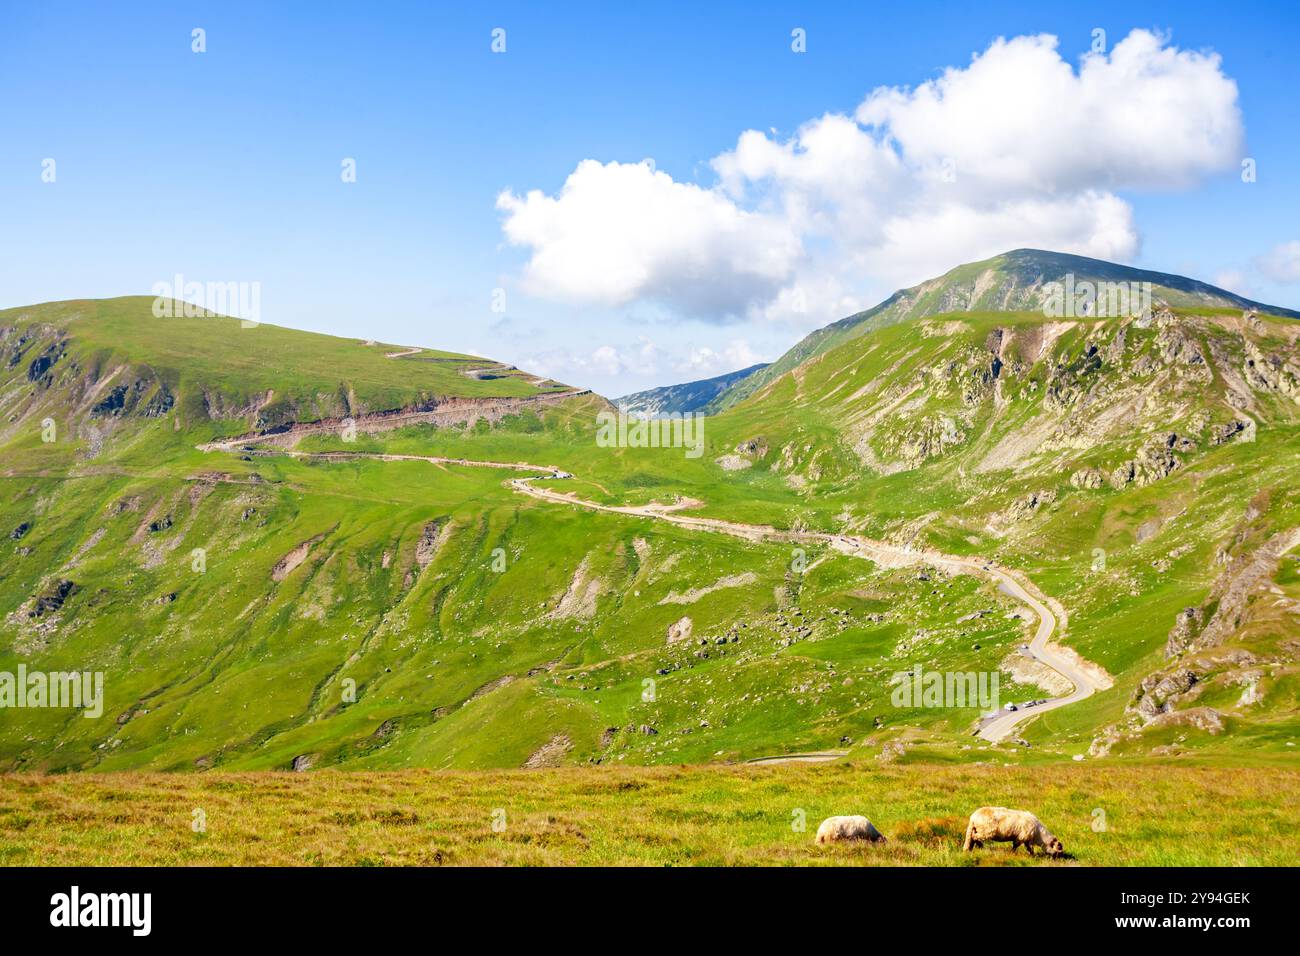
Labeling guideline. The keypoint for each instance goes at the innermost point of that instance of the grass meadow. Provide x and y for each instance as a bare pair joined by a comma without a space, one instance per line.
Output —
1112,813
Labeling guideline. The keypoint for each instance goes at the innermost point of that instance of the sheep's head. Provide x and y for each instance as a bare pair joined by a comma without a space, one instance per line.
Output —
1054,847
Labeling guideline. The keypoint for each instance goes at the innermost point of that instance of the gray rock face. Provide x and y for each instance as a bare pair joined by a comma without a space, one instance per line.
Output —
1272,373
1188,625
1154,460
1157,693
1091,478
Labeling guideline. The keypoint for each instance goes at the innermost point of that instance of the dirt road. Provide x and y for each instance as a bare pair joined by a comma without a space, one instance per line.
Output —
997,728
993,729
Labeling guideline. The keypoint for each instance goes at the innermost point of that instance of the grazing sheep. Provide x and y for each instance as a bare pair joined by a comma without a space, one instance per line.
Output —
1019,827
834,829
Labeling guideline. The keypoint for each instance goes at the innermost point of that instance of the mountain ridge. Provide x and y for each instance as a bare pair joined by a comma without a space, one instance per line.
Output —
683,397
272,572
1011,281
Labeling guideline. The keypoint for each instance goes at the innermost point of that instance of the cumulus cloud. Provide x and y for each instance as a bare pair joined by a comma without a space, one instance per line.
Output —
1020,120
1017,148
1281,263
618,232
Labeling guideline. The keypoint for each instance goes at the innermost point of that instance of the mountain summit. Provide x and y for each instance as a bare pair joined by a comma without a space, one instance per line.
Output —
1011,282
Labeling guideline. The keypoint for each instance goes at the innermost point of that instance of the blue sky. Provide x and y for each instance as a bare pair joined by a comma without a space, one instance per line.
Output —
225,165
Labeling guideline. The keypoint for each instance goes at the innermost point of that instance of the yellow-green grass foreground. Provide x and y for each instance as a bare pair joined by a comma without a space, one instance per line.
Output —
1107,814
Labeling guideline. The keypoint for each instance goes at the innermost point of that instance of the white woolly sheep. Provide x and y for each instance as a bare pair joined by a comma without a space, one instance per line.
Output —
1018,827
835,829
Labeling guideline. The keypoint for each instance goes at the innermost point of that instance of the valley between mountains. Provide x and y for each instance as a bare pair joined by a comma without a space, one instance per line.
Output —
1083,678
292,551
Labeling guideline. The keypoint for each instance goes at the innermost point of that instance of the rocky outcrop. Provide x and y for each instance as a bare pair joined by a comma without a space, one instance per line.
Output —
52,599
1272,373
427,547
1245,574
1091,478
1188,625
733,463
926,439
39,369
680,631
1155,460
1235,430
1158,692
579,600
1177,347
142,397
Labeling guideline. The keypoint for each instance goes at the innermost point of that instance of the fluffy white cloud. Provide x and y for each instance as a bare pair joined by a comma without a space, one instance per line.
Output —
1281,263
618,232
1018,148
1021,120
930,239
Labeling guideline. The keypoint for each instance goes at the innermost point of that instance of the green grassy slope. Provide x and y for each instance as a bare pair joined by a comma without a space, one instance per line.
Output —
381,614
1011,281
1134,469
214,369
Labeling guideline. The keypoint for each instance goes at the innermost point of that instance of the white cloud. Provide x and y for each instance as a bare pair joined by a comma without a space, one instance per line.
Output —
619,232
641,358
1281,263
705,362
1018,148
632,366
1020,120
929,240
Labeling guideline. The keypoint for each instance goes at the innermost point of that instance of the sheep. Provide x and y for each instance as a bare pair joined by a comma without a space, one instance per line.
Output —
1019,827
835,829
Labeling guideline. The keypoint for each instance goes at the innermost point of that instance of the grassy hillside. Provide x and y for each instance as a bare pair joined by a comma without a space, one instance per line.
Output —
1009,282
1143,473
253,610
112,356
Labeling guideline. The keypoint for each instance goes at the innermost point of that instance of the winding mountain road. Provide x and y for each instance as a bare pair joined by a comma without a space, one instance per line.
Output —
992,729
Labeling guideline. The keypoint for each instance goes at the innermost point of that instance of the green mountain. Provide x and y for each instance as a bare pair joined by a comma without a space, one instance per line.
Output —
688,397
282,549
1013,281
